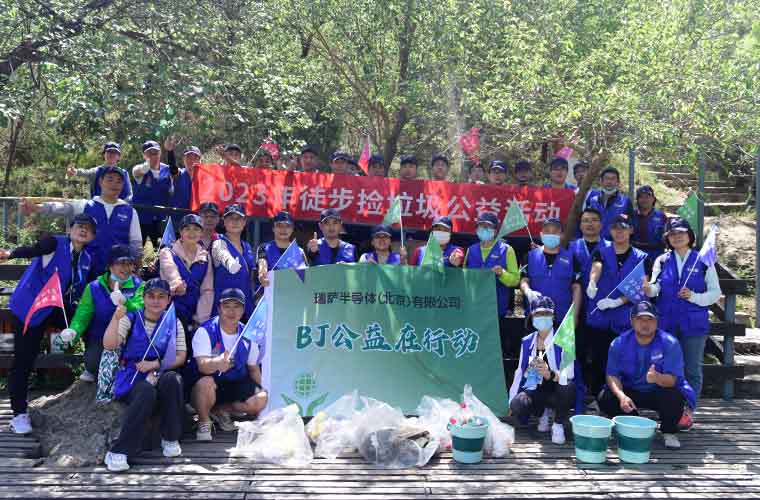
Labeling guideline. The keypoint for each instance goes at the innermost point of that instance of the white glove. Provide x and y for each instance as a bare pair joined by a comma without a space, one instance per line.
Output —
234,266
591,290
67,335
605,304
118,298
531,295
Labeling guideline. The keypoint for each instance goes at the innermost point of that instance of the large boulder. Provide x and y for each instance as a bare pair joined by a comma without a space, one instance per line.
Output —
73,429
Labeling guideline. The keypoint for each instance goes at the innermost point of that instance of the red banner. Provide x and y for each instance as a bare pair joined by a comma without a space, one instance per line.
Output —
364,200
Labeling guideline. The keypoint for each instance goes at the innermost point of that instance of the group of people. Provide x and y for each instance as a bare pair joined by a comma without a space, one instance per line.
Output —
629,355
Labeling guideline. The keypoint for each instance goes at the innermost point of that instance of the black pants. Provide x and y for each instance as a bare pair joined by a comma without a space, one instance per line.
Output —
667,402
598,342
145,400
547,395
511,331
153,231
25,351
92,352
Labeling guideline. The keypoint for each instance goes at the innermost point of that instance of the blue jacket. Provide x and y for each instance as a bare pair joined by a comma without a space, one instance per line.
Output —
152,191
655,229
619,204
496,257
677,315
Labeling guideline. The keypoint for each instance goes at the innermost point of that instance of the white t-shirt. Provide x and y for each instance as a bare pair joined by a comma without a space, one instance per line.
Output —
202,345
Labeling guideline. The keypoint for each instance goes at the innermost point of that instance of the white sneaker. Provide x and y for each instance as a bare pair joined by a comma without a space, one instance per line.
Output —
87,377
204,431
545,422
171,449
116,462
558,434
671,441
222,420
20,424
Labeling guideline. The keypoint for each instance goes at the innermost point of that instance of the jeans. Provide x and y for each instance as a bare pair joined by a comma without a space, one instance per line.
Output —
693,347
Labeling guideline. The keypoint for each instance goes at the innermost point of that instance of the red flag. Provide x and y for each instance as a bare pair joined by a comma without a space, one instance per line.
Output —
564,153
470,142
49,296
273,150
364,158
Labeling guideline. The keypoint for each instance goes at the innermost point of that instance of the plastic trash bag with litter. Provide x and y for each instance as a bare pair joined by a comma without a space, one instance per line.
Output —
500,435
277,438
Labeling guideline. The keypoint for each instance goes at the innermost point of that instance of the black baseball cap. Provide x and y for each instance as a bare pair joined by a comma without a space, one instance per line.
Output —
112,146
234,209
156,284
677,224
442,220
408,159
644,308
339,154
232,147
381,229
552,221
644,190
376,160
497,165
283,216
523,165
235,294
542,303
149,145
622,220
190,219
193,150
209,206
329,213
111,169
438,157
488,218
558,162
84,219
120,253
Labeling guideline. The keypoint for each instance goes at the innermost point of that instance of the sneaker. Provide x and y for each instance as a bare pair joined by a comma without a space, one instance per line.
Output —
20,424
204,431
223,421
116,462
558,434
87,377
545,422
671,441
685,423
592,408
171,449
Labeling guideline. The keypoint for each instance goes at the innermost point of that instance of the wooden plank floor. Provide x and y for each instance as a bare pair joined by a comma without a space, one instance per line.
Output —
720,459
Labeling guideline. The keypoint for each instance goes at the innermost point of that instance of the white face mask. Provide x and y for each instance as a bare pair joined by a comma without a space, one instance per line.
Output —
609,191
443,237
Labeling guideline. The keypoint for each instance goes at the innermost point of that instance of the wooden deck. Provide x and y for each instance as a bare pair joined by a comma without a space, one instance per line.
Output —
720,459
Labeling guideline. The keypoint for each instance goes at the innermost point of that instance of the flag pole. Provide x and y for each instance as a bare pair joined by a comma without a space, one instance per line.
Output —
152,338
527,226
401,225
63,304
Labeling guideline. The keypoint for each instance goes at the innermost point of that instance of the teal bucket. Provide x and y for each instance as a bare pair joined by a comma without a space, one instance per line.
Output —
634,437
467,440
591,435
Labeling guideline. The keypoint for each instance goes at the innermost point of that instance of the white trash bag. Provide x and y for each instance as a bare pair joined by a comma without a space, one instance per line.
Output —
277,438
500,435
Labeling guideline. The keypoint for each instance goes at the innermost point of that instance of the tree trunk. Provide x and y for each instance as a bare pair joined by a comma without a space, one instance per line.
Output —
598,162
16,126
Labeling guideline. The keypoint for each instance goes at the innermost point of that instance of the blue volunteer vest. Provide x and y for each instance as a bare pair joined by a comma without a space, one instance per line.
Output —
186,304
655,230
125,191
346,253
678,315
35,277
583,257
394,259
240,369
132,353
450,248
180,197
497,256
620,204
152,191
223,279
104,308
113,230
273,253
554,282
662,342
617,319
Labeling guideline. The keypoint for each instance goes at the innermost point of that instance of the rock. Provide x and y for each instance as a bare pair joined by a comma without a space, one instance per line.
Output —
73,430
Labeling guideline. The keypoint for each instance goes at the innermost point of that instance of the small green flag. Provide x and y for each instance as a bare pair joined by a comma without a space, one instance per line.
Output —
433,254
393,215
565,338
689,211
513,221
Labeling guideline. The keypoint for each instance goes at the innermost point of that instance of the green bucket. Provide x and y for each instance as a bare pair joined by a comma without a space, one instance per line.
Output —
634,437
591,435
467,440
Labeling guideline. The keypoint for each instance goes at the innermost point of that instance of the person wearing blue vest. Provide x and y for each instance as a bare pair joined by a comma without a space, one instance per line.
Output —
685,289
116,219
182,178
233,260
269,253
608,310
453,255
116,286
648,224
225,368
498,257
146,380
68,255
330,249
609,200
539,386
152,186
111,157
209,212
645,369
553,271
558,169
186,267
381,248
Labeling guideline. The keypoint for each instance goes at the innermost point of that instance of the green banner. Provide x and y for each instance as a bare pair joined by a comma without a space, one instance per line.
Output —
395,333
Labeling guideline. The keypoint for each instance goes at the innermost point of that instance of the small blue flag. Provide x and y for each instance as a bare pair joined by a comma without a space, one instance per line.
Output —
165,338
292,258
632,286
255,329
168,239
709,252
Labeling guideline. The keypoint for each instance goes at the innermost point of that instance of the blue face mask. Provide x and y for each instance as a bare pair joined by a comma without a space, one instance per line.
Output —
485,233
117,279
543,323
550,240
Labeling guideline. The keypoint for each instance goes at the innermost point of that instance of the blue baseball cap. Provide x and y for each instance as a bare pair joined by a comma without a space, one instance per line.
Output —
232,294
376,159
112,146
156,284
552,221
488,218
497,165
644,190
150,145
381,230
439,157
677,224
283,216
644,308
339,154
111,169
209,206
84,219
193,150
232,147
190,219
523,165
558,163
408,159
542,303
442,221
329,213
622,220
120,253
234,209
